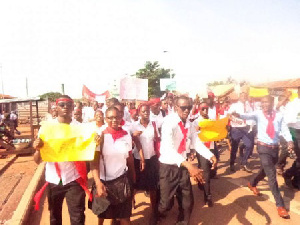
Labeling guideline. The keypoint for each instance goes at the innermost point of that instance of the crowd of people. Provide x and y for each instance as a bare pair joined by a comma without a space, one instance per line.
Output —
152,146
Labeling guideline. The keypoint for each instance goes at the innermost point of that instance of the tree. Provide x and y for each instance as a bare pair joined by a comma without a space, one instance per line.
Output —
154,73
52,96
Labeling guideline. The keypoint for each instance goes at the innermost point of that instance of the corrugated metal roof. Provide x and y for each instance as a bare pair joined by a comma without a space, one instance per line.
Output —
20,100
290,83
6,96
221,90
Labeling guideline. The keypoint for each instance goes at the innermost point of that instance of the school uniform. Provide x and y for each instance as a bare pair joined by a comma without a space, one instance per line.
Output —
113,164
292,118
268,148
158,119
174,178
147,179
62,178
240,130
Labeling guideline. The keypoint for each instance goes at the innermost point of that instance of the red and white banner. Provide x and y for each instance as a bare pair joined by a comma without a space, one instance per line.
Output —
88,94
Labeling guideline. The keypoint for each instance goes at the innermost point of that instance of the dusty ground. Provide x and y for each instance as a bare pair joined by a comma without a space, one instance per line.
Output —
16,173
233,203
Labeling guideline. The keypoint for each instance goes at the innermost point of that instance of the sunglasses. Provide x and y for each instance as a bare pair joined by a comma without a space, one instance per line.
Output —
63,104
183,108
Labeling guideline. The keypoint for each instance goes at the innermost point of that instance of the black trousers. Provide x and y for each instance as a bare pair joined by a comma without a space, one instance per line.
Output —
268,157
283,153
236,135
75,197
294,171
205,165
174,180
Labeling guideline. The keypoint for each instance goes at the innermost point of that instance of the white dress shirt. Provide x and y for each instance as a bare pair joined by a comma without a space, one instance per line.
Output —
212,113
115,154
158,119
240,108
88,113
292,114
146,139
171,136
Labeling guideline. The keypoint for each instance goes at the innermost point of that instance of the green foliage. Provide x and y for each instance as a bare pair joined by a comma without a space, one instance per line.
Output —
52,96
154,73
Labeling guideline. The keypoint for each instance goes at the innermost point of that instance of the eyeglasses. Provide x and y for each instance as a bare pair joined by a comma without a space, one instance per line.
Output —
204,108
183,108
63,104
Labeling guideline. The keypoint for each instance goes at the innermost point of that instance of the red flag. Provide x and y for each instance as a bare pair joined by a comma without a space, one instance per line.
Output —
88,94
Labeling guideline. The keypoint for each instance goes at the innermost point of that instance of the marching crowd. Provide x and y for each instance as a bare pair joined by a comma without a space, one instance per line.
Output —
150,146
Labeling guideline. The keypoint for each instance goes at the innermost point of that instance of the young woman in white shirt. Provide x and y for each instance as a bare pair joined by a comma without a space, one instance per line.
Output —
146,132
116,161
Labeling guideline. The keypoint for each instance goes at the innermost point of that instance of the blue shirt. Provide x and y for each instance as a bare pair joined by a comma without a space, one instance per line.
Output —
262,123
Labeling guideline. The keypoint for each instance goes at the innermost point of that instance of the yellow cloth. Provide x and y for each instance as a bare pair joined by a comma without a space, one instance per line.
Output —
213,130
64,142
294,94
258,92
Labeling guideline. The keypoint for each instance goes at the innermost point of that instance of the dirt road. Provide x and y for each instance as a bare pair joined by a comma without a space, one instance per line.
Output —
233,203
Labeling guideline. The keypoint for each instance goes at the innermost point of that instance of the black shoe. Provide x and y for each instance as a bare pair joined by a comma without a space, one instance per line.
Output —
232,169
287,181
245,168
208,201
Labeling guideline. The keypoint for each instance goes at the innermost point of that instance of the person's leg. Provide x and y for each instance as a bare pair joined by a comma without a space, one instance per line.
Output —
125,221
283,154
235,140
206,165
248,141
258,177
268,160
185,196
168,183
75,198
56,194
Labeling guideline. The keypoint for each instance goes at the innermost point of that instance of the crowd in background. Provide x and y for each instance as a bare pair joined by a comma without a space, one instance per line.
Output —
153,144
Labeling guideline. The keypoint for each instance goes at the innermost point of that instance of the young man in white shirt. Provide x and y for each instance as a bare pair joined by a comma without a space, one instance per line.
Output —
155,113
63,178
292,118
240,130
175,170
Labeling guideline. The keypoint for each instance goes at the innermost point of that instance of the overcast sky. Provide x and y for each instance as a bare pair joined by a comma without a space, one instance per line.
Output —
93,42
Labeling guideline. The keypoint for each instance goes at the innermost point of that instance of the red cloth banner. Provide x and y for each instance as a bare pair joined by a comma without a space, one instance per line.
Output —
88,94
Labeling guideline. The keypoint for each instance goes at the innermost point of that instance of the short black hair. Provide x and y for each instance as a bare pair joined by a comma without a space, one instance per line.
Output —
64,96
112,108
182,97
269,97
113,100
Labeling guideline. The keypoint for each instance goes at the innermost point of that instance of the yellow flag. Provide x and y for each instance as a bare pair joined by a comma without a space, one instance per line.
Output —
258,92
294,94
64,142
213,130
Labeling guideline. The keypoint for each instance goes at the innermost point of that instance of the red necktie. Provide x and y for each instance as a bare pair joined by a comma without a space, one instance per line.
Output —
270,127
182,146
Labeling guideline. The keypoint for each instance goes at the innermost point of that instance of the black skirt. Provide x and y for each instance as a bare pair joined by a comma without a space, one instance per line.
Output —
148,179
119,211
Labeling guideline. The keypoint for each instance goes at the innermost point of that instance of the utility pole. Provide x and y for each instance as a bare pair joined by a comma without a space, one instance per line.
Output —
63,89
26,87
1,80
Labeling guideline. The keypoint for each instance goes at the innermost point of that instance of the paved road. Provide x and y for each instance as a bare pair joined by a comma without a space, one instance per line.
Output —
233,203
